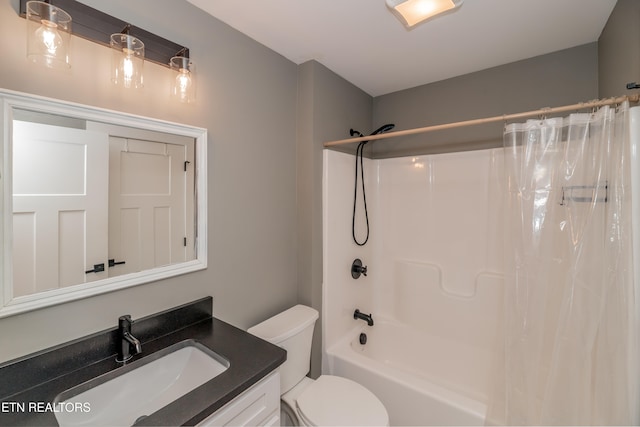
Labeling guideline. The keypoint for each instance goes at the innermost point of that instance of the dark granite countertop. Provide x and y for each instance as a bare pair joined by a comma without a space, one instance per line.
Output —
28,384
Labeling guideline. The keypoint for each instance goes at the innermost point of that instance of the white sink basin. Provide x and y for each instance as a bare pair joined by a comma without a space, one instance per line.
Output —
154,383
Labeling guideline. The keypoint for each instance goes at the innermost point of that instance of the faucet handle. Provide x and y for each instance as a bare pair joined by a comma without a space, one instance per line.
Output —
124,323
357,269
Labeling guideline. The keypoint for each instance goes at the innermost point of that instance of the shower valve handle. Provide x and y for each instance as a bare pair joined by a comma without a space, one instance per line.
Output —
357,269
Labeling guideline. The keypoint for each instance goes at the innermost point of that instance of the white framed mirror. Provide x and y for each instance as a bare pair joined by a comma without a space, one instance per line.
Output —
95,200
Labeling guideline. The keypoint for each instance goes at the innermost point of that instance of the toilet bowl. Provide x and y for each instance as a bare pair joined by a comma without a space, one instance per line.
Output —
326,401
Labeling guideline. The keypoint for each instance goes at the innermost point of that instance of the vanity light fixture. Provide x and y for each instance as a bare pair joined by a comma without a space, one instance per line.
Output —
131,45
183,85
48,34
127,59
413,12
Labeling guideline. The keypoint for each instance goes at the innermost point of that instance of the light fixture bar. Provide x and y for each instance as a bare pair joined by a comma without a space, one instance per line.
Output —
97,26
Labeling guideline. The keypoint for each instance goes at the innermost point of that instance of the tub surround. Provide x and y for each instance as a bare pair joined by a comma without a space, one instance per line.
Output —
40,377
435,284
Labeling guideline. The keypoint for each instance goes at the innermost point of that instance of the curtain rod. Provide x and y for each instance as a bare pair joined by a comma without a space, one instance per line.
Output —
505,117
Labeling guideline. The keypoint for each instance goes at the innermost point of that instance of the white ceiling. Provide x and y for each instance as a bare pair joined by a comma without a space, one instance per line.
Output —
363,42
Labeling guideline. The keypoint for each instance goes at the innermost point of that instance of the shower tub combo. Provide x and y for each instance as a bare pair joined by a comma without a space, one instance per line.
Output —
433,287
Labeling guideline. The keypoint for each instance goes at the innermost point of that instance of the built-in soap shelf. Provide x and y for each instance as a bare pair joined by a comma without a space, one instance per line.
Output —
598,193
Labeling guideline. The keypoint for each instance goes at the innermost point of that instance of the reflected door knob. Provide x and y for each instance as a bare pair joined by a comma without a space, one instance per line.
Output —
113,262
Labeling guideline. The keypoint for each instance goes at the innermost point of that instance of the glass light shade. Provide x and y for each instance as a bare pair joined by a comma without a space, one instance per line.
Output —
413,12
183,85
127,59
48,34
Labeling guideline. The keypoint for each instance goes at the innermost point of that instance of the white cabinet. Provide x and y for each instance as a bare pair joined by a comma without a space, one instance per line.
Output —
258,406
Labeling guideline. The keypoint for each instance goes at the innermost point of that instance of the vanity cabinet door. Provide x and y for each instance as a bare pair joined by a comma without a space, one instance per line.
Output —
258,406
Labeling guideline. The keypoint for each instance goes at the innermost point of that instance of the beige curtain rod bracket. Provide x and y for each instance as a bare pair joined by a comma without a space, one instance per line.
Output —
546,111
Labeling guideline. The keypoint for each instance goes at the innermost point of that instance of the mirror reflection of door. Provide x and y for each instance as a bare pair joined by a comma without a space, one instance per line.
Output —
60,206
83,198
150,222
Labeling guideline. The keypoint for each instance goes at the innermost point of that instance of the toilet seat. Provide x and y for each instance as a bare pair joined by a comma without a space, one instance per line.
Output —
334,401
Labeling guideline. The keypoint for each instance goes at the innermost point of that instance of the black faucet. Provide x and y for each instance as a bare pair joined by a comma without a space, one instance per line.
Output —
366,317
127,340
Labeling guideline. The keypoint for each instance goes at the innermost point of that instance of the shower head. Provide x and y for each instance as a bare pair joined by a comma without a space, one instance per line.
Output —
383,128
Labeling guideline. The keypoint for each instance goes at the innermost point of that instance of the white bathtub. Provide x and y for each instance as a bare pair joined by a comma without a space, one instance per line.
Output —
421,379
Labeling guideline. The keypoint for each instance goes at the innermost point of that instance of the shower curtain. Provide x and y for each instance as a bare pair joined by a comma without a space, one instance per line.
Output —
570,331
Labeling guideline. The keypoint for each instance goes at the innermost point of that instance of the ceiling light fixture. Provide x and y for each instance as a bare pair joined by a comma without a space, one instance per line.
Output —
413,12
48,34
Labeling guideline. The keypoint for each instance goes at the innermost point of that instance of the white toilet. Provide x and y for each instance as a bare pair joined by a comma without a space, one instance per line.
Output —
327,401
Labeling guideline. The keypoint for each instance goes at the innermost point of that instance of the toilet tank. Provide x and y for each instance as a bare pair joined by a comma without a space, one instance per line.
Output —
292,330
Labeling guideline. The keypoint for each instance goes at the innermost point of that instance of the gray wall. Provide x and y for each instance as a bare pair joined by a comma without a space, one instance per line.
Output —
247,99
551,80
328,107
619,50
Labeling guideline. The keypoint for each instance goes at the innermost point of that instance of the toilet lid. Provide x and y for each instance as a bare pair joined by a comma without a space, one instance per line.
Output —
334,401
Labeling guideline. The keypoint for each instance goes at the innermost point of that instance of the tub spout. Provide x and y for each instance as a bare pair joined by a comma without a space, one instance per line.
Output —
366,317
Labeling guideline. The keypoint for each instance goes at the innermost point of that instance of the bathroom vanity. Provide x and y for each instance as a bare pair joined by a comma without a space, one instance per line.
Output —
39,389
